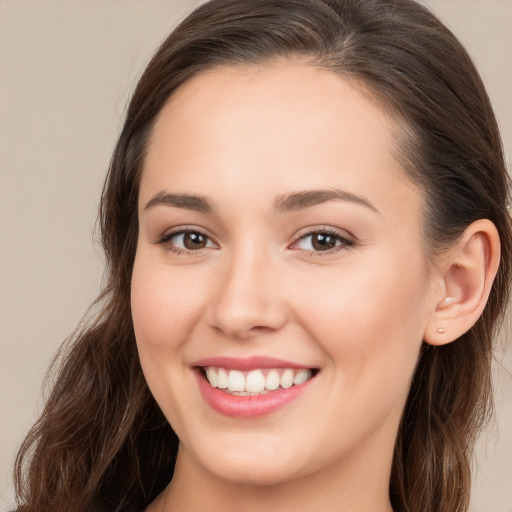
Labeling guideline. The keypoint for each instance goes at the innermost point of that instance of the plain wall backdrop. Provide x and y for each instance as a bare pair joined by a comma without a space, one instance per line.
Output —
67,69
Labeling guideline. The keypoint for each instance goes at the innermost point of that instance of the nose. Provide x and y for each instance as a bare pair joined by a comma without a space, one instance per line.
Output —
249,300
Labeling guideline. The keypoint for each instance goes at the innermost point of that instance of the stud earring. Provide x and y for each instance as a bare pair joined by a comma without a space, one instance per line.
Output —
440,330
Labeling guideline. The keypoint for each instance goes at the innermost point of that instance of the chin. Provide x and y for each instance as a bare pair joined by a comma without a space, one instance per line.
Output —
252,466
247,473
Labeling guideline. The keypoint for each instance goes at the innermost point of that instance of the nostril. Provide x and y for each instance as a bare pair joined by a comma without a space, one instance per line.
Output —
262,328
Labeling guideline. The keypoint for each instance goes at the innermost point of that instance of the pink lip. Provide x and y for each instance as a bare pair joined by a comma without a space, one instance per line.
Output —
247,363
247,406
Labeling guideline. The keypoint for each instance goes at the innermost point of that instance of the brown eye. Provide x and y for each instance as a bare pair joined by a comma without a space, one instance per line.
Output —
193,241
186,241
323,241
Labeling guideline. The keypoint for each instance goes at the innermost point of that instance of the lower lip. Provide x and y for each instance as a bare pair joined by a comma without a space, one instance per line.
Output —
248,406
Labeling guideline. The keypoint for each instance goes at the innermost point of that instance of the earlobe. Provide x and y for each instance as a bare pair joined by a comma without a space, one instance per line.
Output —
467,272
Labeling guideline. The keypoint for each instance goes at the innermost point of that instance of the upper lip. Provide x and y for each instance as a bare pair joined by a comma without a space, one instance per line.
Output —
247,363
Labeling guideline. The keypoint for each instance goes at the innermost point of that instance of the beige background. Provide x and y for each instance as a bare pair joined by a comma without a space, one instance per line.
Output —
67,68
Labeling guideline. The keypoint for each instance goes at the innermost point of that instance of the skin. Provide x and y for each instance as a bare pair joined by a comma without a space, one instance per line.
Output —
242,138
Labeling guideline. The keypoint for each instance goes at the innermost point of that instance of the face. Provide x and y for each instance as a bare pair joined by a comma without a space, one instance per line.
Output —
279,254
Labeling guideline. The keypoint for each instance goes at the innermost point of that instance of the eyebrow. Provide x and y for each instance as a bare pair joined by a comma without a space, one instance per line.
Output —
284,203
186,201
308,198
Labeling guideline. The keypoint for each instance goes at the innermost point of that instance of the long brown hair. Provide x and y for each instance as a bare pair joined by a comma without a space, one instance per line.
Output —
101,440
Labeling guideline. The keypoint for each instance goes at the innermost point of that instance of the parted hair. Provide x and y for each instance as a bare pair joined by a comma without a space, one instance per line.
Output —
101,442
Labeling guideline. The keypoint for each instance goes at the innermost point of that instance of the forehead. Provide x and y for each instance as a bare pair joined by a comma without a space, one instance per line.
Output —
283,126
300,100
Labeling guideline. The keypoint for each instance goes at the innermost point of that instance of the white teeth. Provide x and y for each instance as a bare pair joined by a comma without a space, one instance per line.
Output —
301,376
255,382
236,381
286,380
272,381
211,375
222,379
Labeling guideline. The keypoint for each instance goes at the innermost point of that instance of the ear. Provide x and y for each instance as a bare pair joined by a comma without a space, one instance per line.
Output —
465,274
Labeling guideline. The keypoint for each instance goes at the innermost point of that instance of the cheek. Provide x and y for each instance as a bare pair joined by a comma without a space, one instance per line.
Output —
163,315
370,319
149,304
165,305
164,311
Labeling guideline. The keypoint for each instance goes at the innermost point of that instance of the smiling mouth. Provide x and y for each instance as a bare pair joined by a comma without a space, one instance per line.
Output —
255,382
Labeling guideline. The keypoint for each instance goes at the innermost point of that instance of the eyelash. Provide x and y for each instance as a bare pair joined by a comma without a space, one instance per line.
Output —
345,242
165,240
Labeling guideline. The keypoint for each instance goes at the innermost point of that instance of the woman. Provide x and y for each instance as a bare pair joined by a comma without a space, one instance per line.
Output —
308,241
